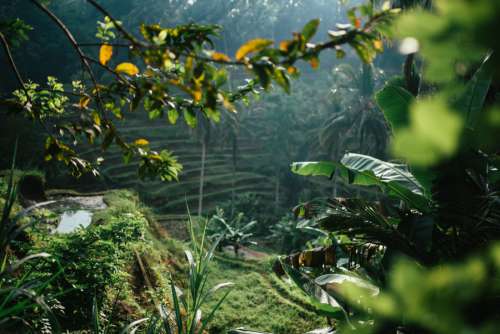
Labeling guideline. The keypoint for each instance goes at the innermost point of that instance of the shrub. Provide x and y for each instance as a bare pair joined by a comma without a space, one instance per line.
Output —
94,260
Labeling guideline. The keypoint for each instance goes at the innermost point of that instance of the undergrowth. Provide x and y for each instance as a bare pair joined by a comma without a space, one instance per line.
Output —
121,265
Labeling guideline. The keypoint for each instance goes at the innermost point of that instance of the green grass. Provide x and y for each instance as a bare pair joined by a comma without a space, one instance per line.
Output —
254,303
259,300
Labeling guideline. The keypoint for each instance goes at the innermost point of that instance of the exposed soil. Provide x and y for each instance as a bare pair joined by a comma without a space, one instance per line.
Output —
244,253
86,202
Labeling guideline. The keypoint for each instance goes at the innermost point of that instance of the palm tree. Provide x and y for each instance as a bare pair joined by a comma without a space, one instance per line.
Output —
355,124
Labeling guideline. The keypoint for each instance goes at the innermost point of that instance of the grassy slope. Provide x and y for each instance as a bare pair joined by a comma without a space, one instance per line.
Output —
259,301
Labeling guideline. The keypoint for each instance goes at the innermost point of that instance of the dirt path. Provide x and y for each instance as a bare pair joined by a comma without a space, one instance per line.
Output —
244,253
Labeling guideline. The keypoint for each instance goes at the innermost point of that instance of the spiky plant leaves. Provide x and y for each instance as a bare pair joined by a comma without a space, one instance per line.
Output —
177,309
133,326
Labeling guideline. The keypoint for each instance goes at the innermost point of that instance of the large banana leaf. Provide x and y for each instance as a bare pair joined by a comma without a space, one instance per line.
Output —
386,171
333,283
244,331
471,102
362,170
395,101
324,303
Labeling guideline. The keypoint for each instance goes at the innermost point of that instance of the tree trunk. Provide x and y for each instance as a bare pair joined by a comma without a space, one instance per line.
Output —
360,130
335,185
233,181
202,175
235,138
337,156
277,191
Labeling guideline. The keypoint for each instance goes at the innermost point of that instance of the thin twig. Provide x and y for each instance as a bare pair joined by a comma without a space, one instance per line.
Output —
14,67
74,43
110,70
117,25
21,81
118,45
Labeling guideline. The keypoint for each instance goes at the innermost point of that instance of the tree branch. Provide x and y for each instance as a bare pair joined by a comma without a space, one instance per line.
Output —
110,70
14,68
21,81
118,45
74,43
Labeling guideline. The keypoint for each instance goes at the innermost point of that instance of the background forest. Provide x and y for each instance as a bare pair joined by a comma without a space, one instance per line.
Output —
247,156
151,150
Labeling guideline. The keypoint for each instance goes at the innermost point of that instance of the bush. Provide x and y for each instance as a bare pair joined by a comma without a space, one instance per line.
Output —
94,260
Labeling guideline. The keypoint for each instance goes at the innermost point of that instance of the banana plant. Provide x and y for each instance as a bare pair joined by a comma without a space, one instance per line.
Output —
425,224
235,232
430,215
327,292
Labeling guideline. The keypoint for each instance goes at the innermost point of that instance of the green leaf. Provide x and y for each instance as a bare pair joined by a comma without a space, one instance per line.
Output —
386,171
364,52
212,114
173,115
310,29
244,331
177,309
155,113
281,79
263,75
395,103
190,118
334,284
325,304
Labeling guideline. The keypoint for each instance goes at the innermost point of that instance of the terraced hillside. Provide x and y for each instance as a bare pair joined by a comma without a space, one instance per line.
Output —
221,178
252,174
